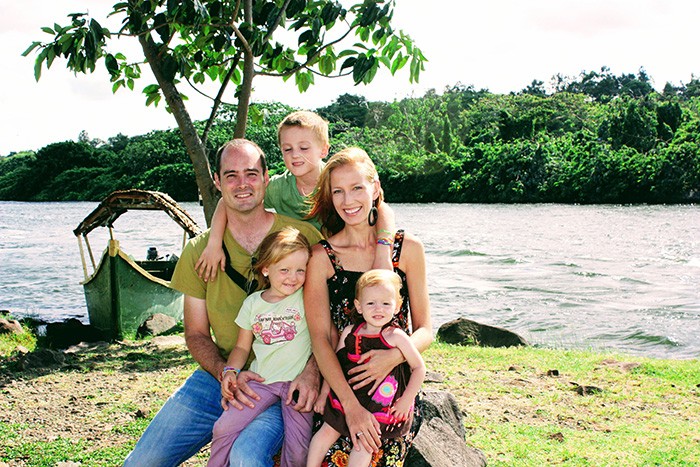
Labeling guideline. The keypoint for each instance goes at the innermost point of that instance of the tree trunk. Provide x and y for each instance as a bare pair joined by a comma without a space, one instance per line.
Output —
193,144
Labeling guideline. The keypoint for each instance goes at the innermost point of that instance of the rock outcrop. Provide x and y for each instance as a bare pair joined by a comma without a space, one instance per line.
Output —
464,331
441,439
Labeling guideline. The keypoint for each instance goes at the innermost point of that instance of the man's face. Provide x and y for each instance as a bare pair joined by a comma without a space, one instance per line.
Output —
240,178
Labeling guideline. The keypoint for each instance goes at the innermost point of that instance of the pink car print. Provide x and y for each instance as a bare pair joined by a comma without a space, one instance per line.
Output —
278,331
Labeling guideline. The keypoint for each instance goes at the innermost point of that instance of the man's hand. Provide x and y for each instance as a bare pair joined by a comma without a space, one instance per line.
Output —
303,391
245,392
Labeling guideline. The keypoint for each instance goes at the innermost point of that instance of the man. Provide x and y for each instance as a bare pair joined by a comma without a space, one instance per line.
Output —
184,424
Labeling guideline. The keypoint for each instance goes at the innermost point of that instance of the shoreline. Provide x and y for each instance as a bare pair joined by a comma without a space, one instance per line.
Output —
41,324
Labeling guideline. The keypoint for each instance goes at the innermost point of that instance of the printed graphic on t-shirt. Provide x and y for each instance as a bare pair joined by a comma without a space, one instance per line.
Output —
282,327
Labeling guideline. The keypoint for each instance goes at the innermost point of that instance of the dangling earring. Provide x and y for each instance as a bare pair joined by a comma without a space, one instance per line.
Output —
373,215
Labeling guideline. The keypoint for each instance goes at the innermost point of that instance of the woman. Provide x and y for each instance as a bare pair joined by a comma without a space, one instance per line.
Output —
345,202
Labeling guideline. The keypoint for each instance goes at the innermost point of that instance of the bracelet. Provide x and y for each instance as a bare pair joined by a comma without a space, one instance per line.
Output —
384,241
388,233
227,369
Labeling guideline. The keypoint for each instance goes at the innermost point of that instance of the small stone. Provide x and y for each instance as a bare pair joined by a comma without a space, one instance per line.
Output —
156,325
10,326
142,412
582,390
434,377
557,437
168,341
552,372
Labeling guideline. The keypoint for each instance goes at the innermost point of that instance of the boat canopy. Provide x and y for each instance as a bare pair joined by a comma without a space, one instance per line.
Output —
119,202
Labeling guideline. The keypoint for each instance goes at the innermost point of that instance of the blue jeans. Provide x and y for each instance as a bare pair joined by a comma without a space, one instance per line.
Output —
184,425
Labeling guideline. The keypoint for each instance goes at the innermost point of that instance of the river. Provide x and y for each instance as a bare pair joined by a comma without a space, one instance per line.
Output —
620,278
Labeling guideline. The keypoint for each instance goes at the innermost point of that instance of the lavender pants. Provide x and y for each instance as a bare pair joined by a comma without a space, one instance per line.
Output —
297,426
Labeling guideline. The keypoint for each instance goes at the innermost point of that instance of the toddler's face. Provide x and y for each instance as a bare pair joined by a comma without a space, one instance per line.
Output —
377,304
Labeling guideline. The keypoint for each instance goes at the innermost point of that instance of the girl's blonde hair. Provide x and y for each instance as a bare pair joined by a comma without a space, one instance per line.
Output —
379,277
322,200
276,245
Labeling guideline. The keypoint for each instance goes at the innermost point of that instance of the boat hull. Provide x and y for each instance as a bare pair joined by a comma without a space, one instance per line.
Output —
122,294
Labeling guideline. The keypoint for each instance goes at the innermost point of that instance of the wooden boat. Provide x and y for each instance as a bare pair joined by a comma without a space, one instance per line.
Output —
122,293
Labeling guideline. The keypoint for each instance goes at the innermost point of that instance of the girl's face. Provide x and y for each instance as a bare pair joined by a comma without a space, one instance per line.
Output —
377,304
352,193
287,275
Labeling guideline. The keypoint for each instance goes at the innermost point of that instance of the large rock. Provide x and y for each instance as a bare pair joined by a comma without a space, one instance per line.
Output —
443,405
440,440
464,331
156,325
437,445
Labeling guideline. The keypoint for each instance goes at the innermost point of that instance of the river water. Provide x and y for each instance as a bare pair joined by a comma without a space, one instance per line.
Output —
621,278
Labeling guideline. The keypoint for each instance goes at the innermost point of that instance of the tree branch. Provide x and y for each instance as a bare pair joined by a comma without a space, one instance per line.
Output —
219,97
246,86
309,59
278,20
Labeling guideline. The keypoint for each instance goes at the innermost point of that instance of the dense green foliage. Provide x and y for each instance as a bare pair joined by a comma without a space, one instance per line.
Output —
598,139
228,44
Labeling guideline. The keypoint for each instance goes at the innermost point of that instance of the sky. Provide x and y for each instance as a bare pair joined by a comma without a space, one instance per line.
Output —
499,45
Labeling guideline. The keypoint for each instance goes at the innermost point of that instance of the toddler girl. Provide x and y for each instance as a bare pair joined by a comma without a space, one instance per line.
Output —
377,299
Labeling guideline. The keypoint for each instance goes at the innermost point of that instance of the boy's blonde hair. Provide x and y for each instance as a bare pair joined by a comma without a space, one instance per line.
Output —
276,245
322,199
379,277
306,119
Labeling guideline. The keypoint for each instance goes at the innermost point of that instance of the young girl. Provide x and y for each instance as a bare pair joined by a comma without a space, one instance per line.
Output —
273,324
377,300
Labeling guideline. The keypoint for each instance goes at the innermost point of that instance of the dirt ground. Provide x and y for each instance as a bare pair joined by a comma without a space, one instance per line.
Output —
100,393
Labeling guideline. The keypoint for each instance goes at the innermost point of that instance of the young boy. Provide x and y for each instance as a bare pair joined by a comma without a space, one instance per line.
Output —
304,142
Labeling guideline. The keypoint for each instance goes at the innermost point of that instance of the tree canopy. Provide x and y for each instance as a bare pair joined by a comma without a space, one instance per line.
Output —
230,43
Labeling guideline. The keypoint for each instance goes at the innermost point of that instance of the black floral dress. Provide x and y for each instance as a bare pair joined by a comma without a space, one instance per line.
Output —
341,293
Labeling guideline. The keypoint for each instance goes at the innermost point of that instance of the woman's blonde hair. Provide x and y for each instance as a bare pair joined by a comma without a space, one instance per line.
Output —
322,200
276,245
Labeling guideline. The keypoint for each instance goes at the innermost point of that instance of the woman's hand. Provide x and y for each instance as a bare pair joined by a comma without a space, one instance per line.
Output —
374,366
364,428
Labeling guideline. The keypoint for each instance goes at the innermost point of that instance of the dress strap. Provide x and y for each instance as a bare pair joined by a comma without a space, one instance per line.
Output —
396,252
331,255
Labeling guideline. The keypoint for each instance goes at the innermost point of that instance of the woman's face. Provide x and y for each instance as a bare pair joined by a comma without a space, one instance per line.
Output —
352,194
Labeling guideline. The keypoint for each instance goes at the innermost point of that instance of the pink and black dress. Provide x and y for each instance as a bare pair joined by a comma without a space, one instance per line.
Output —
381,401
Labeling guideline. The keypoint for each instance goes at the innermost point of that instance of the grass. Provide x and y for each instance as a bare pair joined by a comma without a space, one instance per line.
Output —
516,408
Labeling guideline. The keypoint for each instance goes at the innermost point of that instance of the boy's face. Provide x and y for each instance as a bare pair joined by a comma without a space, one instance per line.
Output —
302,150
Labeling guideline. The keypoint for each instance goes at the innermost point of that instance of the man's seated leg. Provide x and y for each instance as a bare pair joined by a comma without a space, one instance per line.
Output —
182,426
260,441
